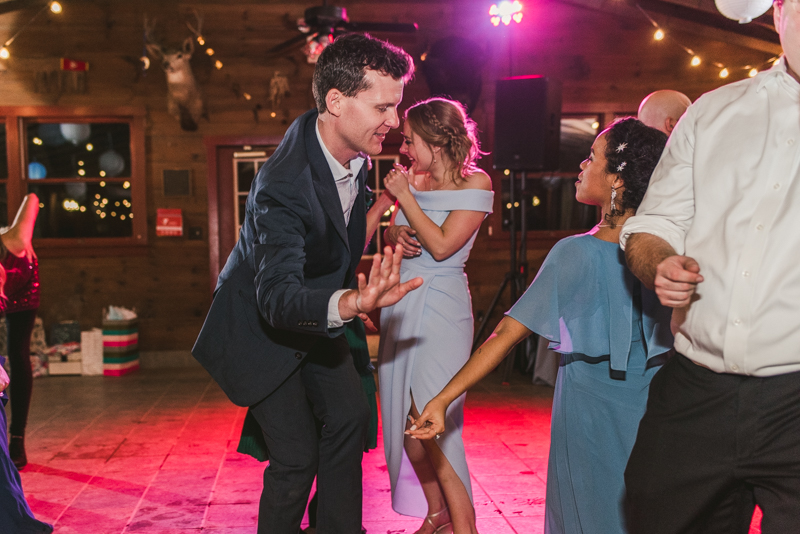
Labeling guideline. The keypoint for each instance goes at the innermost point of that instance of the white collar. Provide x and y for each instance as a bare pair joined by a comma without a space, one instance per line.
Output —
778,70
337,169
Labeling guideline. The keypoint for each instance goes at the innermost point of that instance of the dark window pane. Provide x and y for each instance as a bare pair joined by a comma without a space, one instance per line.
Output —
577,136
75,150
84,210
549,205
245,172
3,153
4,204
242,208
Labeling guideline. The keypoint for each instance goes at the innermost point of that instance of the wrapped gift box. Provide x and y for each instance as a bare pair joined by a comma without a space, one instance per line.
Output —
120,347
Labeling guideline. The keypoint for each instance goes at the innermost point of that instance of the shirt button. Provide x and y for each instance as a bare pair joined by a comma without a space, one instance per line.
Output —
746,274
776,186
737,322
734,367
298,355
790,141
759,227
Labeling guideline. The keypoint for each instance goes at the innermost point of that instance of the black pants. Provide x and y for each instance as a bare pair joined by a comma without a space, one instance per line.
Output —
20,326
710,447
328,388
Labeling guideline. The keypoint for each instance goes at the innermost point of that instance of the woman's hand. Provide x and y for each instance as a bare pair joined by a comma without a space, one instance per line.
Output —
396,182
3,380
430,423
400,234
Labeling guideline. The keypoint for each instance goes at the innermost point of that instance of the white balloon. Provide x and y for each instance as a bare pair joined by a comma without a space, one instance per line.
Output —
112,163
743,10
75,133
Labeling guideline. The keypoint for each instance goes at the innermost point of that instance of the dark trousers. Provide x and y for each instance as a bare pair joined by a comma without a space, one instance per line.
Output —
710,447
20,326
328,388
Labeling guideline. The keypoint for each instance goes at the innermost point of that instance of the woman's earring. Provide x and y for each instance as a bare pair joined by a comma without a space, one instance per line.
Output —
613,198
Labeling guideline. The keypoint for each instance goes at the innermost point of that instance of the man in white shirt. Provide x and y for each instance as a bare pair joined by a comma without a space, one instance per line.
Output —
662,109
273,337
717,237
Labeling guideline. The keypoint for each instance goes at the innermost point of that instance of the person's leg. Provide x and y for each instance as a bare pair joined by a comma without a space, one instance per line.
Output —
462,513
438,511
291,436
20,326
334,389
681,476
771,459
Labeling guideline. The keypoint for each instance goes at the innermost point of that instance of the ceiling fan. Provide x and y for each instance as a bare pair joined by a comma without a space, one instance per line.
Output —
322,23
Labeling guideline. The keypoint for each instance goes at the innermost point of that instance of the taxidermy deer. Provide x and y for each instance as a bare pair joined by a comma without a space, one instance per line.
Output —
184,101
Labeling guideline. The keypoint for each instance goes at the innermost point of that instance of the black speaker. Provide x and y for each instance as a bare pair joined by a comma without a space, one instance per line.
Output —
527,123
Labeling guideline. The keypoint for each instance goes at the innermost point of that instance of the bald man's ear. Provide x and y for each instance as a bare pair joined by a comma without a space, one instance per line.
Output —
333,102
669,125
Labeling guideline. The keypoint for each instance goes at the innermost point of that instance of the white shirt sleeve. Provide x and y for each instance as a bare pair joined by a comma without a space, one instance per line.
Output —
334,319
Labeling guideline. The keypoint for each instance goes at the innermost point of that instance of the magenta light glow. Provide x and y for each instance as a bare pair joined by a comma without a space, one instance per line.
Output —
505,12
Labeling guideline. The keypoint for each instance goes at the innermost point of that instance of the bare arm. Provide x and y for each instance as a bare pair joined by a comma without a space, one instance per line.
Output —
17,238
441,241
653,261
383,203
507,334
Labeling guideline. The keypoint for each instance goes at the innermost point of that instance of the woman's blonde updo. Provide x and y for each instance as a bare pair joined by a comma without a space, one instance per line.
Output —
444,123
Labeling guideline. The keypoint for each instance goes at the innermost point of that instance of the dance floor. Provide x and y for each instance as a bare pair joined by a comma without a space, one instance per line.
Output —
154,452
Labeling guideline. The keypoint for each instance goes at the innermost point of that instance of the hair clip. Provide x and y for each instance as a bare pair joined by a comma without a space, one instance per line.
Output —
621,166
621,147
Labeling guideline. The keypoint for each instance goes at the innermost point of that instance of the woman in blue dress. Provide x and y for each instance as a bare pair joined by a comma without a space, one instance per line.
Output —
426,337
612,334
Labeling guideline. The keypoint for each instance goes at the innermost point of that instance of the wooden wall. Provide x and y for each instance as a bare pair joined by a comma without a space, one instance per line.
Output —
607,62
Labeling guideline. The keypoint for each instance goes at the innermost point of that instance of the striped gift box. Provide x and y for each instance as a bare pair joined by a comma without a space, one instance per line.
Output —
120,347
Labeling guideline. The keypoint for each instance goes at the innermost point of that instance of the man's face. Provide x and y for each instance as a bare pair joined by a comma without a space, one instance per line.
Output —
367,117
787,23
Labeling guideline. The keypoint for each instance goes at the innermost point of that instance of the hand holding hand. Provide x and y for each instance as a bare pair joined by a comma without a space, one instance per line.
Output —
396,182
676,280
402,235
430,423
3,380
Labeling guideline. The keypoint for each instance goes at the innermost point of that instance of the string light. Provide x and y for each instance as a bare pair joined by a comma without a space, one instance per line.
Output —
659,35
724,73
752,72
209,51
218,64
55,7
695,61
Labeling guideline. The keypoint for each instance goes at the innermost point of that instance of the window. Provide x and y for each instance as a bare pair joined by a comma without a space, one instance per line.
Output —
550,196
246,165
381,165
87,168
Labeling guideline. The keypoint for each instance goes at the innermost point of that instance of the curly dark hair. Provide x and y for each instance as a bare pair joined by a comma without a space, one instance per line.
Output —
632,152
343,65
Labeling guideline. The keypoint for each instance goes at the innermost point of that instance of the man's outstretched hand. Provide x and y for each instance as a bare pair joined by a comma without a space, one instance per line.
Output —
382,289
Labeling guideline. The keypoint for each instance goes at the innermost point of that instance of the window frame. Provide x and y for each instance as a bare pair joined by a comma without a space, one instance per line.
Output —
16,119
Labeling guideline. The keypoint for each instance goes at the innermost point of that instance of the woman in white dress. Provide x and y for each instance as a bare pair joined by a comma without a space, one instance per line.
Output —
426,338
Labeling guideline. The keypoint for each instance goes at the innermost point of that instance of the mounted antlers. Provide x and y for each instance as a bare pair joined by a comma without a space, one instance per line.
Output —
184,101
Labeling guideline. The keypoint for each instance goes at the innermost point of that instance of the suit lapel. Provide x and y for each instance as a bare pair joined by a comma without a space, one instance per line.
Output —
324,185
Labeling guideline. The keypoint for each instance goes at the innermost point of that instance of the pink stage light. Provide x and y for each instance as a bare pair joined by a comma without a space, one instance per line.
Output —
505,12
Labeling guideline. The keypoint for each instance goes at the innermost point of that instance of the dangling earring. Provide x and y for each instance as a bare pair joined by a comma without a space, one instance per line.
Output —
613,198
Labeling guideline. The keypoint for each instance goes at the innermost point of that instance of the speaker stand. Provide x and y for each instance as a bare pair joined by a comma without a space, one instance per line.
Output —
517,277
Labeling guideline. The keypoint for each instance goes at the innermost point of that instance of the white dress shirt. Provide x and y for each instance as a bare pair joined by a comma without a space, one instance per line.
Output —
347,185
726,193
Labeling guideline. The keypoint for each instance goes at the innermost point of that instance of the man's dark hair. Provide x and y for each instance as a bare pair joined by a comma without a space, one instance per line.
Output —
343,65
632,152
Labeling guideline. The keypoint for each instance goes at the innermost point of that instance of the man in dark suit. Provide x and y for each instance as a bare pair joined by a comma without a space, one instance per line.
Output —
272,338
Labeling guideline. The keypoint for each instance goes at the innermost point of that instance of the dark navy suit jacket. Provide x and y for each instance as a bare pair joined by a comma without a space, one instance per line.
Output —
270,306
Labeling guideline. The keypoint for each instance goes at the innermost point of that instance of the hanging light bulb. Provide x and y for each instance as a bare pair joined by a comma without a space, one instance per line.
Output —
218,64
4,53
695,61
210,51
752,72
659,35
200,40
724,73
55,7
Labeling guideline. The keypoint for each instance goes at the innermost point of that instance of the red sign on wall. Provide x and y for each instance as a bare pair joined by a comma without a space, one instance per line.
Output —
72,64
169,222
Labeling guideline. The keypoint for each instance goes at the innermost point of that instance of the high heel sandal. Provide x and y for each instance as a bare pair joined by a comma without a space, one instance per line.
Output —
16,450
445,528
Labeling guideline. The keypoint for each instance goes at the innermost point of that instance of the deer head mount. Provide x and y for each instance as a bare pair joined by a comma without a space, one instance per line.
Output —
184,101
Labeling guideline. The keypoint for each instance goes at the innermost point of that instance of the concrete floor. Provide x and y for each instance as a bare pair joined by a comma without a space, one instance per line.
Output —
154,452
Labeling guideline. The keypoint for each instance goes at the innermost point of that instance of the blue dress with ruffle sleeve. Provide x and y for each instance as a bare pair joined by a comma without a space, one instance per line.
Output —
613,335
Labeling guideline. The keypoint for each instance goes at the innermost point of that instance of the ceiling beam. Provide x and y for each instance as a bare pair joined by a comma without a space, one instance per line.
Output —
15,5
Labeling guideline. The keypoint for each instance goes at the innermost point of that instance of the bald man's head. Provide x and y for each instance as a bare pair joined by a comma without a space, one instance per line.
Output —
662,109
